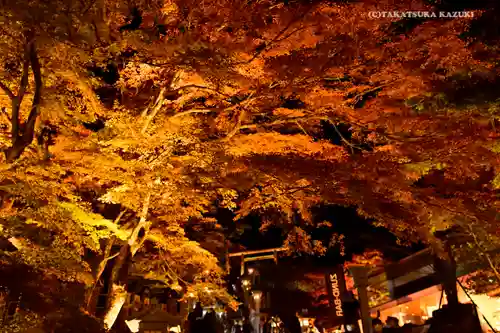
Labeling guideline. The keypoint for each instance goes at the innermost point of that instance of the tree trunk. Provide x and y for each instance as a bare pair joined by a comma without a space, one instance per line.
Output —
23,133
15,151
91,296
445,267
117,291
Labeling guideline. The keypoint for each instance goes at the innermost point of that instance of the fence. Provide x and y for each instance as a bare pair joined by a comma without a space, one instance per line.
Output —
8,306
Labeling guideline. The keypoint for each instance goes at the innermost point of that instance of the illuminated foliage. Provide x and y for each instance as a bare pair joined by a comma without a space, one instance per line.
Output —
165,107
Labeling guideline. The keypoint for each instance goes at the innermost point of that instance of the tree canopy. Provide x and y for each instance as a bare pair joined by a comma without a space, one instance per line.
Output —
122,123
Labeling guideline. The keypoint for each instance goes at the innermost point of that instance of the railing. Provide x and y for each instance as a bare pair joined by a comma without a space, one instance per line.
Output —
8,307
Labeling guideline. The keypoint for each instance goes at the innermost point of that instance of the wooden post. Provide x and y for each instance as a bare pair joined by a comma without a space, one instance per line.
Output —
360,274
242,271
446,268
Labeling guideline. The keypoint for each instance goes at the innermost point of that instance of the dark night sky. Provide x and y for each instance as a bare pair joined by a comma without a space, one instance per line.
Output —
360,235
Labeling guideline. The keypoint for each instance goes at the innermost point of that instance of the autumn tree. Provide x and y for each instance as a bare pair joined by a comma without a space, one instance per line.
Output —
269,107
48,200
394,89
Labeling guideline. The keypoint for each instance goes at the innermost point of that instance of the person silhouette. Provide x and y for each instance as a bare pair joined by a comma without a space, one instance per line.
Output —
195,319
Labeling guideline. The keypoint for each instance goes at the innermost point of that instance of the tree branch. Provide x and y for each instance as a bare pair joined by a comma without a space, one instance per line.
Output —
29,130
159,103
172,271
16,242
143,224
23,85
160,95
484,254
240,116
87,8
283,122
359,96
200,87
7,90
295,31
185,113
342,137
301,128
280,33
22,137
104,262
5,114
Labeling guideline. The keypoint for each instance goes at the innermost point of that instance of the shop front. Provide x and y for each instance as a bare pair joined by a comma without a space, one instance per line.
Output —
410,291
417,308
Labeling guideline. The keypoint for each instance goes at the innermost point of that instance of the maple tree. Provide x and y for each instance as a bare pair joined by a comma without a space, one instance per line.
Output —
478,254
69,228
164,107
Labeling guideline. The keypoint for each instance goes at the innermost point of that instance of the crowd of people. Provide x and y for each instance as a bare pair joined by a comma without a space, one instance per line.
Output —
198,322
391,326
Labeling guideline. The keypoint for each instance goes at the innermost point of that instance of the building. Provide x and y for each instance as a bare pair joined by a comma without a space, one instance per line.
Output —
410,290
153,316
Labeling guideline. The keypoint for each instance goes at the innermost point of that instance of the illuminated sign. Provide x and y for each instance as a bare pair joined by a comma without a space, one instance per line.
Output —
334,284
336,287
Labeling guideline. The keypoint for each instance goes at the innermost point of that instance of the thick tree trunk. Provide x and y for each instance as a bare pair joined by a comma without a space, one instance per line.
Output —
91,295
15,151
117,292
445,267
22,134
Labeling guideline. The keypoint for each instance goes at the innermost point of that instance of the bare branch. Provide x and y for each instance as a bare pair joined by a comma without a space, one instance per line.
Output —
158,104
362,94
241,116
185,113
238,124
144,113
201,87
158,99
282,122
342,137
301,128
274,123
